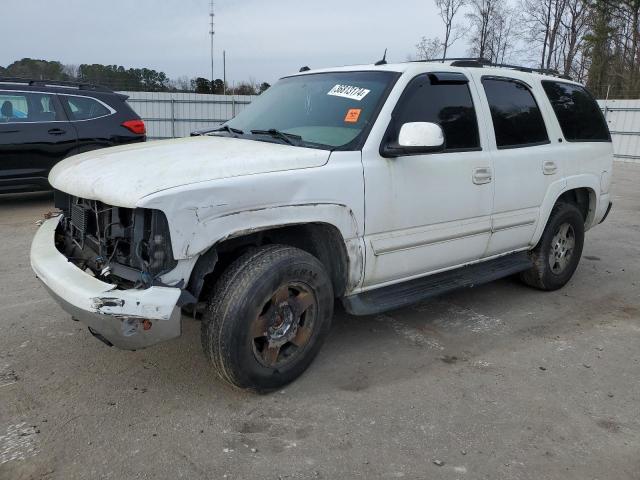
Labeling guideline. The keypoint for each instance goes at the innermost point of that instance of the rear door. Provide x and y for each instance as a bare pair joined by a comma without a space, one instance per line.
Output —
34,135
526,158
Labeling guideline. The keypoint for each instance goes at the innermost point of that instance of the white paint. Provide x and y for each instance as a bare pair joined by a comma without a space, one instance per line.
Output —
124,175
18,443
400,218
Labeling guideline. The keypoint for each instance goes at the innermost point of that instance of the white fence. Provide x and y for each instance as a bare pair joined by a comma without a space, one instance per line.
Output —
623,117
172,115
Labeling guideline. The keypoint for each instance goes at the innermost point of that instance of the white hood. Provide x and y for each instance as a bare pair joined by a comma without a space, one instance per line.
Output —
121,176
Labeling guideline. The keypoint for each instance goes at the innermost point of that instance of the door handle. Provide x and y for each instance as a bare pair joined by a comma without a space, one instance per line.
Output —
549,168
482,176
57,131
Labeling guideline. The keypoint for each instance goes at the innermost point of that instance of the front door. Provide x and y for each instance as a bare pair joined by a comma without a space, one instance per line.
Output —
426,213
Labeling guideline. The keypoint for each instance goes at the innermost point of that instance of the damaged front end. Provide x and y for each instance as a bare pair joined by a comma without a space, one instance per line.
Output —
128,247
103,265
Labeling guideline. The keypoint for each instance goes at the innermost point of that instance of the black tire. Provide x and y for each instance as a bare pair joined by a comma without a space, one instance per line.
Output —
552,248
267,291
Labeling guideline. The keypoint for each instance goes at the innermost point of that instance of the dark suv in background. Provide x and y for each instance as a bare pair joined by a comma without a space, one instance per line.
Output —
43,122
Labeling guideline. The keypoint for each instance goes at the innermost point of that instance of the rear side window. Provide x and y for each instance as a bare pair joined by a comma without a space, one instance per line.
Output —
26,107
517,120
447,104
578,113
85,108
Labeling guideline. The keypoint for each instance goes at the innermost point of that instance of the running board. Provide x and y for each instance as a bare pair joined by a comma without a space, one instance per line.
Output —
406,293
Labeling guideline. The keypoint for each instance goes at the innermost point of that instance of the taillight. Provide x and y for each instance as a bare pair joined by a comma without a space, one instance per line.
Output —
136,126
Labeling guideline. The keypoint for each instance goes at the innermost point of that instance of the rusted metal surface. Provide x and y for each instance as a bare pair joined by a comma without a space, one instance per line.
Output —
284,326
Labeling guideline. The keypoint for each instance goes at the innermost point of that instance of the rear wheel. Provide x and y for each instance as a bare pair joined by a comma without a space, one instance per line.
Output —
268,317
558,253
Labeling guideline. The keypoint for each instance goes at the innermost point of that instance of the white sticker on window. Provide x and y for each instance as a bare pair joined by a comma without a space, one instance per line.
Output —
347,91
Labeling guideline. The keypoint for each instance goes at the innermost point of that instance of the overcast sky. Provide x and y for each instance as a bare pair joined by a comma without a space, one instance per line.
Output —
263,39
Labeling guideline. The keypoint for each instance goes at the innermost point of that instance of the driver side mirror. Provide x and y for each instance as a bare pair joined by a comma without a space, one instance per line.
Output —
416,138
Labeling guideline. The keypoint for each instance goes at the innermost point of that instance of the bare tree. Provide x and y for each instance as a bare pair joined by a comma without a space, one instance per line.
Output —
428,48
544,21
492,33
501,39
481,18
575,25
629,37
448,11
70,70
181,84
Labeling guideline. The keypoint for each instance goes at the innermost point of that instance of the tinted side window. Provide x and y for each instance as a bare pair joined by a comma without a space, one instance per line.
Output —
447,104
578,113
516,116
17,107
85,108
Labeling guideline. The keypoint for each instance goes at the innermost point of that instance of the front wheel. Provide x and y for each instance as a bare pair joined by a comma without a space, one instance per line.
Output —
558,253
267,318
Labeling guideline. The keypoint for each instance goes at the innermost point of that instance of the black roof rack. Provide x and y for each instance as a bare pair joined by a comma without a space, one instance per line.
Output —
461,61
56,83
483,62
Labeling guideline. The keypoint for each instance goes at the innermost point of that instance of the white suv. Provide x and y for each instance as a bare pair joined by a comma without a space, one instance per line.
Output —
378,185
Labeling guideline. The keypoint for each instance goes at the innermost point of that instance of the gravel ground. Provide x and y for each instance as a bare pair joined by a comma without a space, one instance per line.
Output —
498,382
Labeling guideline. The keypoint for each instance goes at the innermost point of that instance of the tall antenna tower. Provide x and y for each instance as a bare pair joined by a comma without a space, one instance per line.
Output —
212,33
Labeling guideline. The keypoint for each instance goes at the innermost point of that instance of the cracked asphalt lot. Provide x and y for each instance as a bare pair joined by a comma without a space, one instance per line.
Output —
498,382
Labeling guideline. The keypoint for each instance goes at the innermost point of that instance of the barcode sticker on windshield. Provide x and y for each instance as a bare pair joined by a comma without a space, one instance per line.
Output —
347,91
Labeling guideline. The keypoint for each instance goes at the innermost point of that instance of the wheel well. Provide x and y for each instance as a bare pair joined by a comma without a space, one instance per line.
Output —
321,240
584,199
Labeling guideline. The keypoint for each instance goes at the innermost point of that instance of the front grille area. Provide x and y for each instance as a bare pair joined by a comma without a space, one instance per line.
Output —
126,246
79,219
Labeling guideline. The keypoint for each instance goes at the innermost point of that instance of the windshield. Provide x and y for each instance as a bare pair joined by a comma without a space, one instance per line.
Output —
325,110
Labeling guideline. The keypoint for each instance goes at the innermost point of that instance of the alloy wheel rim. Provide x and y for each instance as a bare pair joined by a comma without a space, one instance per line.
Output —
284,326
562,248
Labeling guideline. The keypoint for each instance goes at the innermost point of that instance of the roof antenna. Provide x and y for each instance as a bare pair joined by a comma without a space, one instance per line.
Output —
304,69
383,61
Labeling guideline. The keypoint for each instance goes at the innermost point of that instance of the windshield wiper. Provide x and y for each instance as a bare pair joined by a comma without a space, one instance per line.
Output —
285,137
228,129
